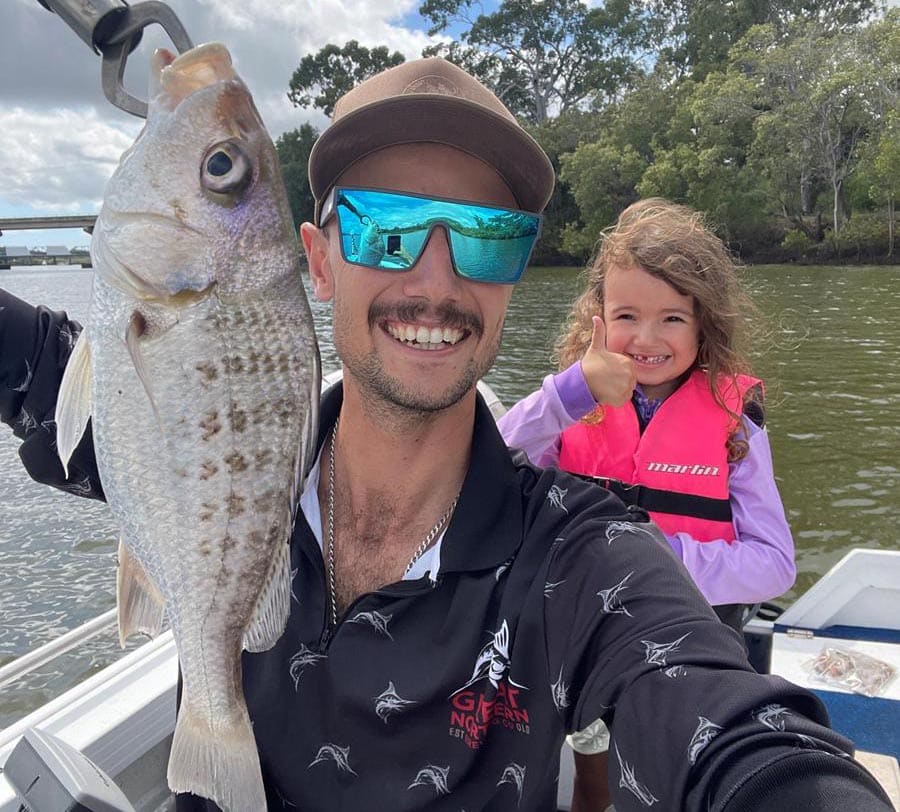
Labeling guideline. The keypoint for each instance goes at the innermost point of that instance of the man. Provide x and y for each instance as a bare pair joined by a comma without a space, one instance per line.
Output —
458,610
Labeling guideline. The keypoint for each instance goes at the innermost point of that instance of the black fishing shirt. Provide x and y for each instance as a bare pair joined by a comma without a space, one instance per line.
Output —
553,607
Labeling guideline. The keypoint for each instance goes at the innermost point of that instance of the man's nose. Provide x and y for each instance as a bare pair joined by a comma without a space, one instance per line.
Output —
433,276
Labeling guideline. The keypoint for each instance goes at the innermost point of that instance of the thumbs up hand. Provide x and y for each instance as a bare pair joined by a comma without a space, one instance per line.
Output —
610,376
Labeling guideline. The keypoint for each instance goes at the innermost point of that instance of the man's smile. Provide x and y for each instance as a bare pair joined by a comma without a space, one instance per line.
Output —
423,336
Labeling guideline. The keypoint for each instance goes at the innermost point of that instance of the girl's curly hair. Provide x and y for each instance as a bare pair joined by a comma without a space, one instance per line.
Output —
673,243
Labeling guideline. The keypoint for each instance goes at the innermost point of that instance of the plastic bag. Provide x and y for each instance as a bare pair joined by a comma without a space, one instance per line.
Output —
852,670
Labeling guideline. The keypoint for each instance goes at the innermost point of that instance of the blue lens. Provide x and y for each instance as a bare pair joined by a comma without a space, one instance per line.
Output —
388,230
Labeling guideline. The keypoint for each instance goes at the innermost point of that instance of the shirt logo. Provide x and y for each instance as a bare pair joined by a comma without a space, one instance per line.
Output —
489,697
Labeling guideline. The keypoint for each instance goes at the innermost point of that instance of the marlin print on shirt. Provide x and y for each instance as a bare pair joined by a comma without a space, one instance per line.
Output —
299,661
550,586
389,701
68,336
615,530
706,731
27,421
80,488
432,776
514,774
556,497
376,620
656,653
23,387
772,716
675,671
334,752
498,573
612,604
560,692
493,660
627,780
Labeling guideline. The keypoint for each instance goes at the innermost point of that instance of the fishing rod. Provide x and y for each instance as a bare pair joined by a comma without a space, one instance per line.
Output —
113,28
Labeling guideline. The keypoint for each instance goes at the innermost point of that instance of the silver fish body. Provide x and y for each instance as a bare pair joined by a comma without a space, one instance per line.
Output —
200,370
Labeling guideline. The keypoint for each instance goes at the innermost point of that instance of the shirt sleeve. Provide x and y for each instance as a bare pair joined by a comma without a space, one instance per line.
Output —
535,422
630,640
35,344
759,565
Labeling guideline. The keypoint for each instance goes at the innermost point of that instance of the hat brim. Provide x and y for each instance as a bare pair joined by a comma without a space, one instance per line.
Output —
439,119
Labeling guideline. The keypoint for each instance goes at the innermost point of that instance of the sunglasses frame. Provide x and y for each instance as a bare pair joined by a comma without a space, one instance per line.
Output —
329,210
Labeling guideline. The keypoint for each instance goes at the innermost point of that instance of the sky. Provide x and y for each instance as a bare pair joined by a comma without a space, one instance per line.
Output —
60,139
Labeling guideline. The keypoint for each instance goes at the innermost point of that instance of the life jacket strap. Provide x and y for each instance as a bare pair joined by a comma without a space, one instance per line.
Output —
660,501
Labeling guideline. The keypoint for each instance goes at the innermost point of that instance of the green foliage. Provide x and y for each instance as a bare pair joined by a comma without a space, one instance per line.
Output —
797,243
547,57
322,78
602,177
293,149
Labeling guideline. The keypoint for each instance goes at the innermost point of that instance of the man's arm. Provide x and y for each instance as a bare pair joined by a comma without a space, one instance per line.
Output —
35,344
694,728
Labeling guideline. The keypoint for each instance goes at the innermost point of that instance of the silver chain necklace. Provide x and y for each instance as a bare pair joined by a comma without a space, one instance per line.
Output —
329,558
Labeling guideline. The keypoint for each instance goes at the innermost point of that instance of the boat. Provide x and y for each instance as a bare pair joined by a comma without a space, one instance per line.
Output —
122,718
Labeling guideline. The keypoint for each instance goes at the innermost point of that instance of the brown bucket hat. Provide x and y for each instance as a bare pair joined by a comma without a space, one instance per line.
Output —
430,100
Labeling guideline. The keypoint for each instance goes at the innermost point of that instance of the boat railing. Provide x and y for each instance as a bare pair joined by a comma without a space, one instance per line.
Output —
21,666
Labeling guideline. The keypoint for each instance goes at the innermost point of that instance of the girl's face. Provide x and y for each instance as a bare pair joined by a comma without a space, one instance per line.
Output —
653,324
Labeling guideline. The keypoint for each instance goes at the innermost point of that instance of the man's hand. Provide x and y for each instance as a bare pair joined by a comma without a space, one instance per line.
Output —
610,376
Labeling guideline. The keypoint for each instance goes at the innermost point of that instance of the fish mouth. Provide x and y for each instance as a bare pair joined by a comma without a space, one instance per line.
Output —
177,77
424,336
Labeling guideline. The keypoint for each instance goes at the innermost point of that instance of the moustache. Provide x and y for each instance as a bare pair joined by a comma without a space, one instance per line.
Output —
443,315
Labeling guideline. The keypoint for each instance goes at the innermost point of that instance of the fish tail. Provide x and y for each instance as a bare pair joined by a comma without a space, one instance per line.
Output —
220,763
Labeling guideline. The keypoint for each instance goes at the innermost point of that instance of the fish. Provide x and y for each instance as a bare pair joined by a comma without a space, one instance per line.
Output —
198,367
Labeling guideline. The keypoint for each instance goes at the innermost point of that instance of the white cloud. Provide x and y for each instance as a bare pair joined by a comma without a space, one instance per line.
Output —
58,161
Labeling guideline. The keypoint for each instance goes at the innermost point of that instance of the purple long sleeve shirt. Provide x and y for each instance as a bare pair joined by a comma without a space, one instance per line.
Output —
758,566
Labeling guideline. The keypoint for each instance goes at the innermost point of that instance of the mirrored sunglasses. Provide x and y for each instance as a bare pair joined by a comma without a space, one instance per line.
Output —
388,231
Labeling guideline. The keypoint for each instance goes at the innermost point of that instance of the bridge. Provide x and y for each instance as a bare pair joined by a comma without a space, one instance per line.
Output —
85,221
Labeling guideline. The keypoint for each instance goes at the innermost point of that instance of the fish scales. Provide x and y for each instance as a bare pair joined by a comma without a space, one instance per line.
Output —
200,369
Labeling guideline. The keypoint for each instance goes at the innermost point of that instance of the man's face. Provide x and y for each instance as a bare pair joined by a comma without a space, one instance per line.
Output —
417,339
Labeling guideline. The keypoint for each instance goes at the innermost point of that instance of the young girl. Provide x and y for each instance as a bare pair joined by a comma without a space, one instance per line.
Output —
655,399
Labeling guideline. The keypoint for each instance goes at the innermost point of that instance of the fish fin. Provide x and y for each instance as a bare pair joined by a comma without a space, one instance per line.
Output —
220,763
309,451
73,404
272,608
141,605
137,325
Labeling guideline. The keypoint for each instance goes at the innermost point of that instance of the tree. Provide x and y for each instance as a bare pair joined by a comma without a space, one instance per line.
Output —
322,78
293,149
556,54
695,36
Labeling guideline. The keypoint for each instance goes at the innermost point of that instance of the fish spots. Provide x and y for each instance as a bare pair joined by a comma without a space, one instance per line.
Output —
236,504
233,364
207,511
236,462
208,469
208,372
263,459
204,547
210,424
237,418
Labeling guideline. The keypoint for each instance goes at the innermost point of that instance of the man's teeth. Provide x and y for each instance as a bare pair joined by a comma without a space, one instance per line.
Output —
422,336
649,359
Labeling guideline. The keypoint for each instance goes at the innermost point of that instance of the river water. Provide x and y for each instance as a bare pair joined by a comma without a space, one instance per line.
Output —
832,370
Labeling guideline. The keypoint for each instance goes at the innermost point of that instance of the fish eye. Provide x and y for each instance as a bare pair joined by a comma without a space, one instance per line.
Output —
225,169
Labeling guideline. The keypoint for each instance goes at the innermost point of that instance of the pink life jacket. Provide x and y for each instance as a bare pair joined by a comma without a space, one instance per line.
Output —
678,468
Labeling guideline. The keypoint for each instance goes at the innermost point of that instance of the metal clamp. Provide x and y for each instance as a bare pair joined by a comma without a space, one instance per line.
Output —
115,28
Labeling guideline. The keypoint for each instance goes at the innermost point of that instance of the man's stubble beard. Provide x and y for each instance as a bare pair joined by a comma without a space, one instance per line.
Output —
386,394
